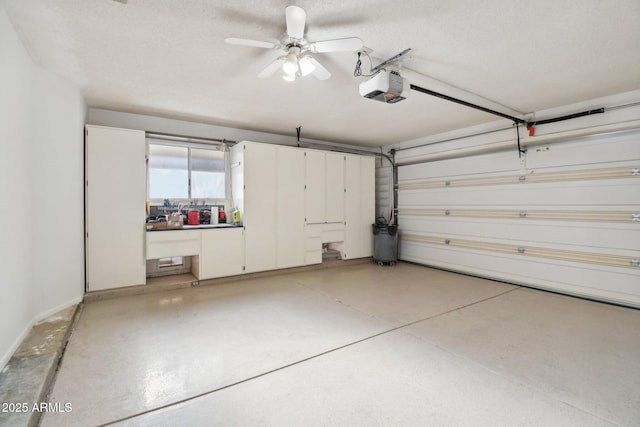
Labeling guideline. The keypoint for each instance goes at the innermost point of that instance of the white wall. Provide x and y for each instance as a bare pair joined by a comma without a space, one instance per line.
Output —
15,183
57,170
41,175
101,117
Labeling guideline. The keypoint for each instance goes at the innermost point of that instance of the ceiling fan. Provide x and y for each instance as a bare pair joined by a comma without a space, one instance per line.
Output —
297,60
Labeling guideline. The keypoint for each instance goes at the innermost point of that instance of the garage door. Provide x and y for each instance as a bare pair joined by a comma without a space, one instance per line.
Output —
564,217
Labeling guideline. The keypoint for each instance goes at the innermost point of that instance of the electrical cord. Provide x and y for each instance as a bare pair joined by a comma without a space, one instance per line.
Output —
358,71
520,150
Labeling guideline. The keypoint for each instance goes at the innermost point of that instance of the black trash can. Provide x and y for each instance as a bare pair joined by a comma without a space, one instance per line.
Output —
385,243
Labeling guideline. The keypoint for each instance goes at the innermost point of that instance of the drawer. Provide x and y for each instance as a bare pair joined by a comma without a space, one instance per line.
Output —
333,236
164,244
313,230
333,226
172,236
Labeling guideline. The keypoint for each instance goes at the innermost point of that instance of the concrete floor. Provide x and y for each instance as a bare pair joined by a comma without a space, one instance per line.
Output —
27,377
362,345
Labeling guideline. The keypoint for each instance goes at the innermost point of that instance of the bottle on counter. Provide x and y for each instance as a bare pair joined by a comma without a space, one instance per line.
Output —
236,216
214,214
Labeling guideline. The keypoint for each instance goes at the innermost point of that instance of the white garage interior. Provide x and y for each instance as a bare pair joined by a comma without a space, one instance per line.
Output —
190,189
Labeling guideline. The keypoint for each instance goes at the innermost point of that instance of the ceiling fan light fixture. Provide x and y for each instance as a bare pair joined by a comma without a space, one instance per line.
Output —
306,66
296,62
288,77
290,66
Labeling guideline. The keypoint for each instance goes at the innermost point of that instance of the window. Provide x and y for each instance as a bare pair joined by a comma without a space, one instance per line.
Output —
207,174
179,172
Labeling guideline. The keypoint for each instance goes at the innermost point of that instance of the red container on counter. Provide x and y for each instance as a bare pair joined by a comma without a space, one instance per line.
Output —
193,217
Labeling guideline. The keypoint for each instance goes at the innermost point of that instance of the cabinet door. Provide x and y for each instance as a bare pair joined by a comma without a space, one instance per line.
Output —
290,207
115,207
359,206
260,207
237,176
334,178
314,197
352,207
221,253
367,205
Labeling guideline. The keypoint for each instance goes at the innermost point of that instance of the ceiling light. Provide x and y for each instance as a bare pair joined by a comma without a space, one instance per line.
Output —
289,77
306,66
290,66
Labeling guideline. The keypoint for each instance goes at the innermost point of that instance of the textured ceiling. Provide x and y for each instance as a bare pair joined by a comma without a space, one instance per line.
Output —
168,58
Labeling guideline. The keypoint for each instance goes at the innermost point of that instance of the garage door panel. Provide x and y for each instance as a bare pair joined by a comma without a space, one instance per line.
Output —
462,167
612,239
566,217
614,192
602,149
613,284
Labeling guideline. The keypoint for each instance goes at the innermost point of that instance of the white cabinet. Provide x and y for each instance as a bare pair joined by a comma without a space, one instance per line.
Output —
289,207
256,200
172,243
294,200
359,206
324,193
314,179
268,189
115,207
221,253
334,192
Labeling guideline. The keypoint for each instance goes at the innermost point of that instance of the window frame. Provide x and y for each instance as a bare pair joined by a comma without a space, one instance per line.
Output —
192,145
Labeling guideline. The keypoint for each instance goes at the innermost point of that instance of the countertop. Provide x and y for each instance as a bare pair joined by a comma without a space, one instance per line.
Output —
198,227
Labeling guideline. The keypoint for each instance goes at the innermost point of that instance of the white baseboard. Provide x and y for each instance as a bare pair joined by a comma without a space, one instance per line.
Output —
16,344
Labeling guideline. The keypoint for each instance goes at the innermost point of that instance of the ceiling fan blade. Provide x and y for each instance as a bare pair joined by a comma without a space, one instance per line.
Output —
319,72
296,18
252,43
348,44
271,68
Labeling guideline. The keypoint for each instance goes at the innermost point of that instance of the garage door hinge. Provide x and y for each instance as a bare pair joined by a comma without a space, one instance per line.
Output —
522,178
635,217
635,263
635,171
522,214
520,250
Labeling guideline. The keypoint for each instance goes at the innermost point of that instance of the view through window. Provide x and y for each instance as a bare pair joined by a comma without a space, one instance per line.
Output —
185,173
